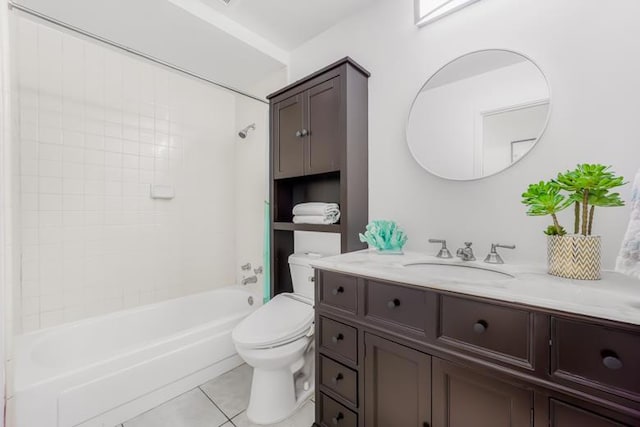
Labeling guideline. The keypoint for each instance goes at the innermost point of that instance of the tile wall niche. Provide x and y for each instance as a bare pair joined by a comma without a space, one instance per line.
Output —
96,128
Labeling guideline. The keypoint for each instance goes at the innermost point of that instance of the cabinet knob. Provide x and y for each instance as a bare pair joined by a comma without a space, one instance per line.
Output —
337,290
305,132
611,360
335,420
393,303
337,338
480,326
337,378
298,134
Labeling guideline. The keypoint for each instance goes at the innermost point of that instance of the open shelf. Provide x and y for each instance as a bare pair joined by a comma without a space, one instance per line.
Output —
325,228
289,192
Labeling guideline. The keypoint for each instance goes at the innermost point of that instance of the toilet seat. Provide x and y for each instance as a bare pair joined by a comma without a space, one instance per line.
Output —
281,321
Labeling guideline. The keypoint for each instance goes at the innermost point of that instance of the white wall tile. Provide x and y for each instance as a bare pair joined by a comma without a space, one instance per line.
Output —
96,129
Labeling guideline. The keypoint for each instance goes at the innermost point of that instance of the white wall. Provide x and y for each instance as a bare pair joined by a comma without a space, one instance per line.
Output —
6,205
97,127
587,48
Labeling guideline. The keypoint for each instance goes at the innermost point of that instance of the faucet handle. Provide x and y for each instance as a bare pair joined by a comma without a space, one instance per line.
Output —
499,245
494,257
444,252
468,244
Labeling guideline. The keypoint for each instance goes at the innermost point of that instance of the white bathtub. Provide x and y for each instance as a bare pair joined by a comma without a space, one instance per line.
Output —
104,370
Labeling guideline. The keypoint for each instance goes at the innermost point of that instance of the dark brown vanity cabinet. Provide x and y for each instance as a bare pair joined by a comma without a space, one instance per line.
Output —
462,397
318,153
562,414
396,355
397,384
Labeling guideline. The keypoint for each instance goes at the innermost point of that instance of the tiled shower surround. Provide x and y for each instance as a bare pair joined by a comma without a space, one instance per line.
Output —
96,128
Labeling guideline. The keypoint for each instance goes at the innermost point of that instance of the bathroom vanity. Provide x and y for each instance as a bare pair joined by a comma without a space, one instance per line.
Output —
404,342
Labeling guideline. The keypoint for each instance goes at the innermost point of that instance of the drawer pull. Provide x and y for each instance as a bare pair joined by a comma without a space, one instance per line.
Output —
480,326
337,338
335,420
393,303
337,378
338,290
611,360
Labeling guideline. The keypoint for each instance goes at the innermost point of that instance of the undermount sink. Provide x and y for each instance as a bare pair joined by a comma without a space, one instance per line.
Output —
457,271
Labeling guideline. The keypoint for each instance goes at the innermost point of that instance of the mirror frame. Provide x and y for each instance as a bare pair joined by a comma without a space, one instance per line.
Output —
539,137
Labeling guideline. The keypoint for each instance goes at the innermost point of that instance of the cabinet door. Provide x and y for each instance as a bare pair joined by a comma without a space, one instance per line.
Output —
463,398
325,129
288,143
396,385
565,415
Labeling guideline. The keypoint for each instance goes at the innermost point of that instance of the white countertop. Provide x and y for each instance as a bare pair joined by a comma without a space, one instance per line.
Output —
615,297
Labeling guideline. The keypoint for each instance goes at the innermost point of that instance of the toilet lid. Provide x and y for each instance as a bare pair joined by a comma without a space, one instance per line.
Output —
281,320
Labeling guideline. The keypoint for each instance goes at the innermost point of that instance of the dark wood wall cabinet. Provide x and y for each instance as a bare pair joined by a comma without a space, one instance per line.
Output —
396,355
318,153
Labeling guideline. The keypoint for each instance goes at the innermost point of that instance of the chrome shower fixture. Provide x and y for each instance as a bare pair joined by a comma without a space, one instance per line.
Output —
243,133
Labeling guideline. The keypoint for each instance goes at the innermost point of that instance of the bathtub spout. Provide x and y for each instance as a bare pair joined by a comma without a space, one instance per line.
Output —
250,279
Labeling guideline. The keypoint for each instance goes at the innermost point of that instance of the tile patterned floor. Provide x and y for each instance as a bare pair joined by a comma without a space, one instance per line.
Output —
221,402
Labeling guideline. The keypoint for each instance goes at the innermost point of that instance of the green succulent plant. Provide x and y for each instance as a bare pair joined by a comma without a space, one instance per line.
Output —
590,187
587,186
544,198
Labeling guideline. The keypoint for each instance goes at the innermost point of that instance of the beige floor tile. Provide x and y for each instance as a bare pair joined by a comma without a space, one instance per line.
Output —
191,409
231,391
304,417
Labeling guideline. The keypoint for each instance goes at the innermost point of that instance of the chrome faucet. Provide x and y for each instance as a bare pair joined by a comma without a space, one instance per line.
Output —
466,253
444,252
250,279
494,257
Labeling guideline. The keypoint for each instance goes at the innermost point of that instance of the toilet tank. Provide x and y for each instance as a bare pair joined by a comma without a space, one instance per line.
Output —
302,274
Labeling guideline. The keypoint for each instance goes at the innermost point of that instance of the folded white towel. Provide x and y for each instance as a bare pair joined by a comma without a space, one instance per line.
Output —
628,261
316,208
316,219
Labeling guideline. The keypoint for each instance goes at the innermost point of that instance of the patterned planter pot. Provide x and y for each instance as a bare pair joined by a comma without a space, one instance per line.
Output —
574,256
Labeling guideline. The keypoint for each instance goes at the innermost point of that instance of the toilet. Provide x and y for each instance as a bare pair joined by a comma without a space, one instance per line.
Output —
277,341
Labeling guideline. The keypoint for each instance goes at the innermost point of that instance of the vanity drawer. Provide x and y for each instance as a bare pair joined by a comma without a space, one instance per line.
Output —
340,379
597,356
334,414
339,291
398,305
339,338
495,331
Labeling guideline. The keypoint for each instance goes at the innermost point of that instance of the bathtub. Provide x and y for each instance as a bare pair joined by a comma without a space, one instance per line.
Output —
105,370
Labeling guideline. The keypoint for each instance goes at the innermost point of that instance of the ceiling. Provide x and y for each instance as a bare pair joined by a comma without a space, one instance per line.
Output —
237,45
288,23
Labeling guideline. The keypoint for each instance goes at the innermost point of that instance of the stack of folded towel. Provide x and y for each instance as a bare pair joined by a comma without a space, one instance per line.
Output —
316,213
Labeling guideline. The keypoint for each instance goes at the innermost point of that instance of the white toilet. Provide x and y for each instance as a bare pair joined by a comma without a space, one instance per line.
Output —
277,341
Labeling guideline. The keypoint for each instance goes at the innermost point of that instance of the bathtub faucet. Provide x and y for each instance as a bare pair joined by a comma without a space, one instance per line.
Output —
250,279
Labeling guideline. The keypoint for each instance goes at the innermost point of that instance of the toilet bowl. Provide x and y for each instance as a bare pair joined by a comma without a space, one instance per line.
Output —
277,341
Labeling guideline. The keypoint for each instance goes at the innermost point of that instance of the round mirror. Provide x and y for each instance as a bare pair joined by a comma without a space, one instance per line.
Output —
478,115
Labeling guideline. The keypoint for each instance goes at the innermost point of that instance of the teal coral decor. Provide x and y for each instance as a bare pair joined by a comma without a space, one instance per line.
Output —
385,236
